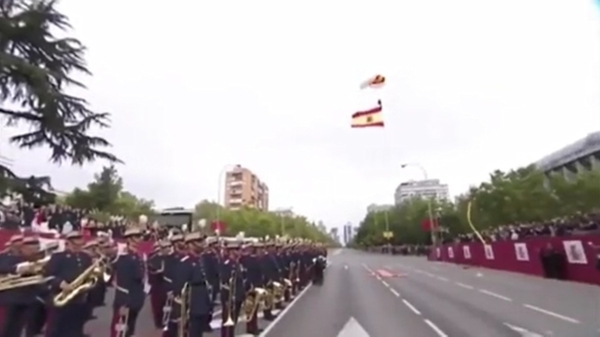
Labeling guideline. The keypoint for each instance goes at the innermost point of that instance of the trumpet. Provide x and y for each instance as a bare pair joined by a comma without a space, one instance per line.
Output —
84,282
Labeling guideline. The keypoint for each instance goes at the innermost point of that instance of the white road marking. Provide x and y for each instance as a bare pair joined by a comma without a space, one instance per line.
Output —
466,286
435,328
411,307
394,292
353,329
368,269
346,266
442,279
385,283
553,314
522,331
496,295
429,274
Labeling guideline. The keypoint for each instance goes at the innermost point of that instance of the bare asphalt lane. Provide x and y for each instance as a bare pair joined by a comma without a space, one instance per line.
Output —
482,302
351,303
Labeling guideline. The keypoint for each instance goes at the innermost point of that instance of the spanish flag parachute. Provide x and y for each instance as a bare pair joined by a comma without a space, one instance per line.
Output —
374,82
368,118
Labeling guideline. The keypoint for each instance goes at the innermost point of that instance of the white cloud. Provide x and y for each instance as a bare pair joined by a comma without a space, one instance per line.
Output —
473,86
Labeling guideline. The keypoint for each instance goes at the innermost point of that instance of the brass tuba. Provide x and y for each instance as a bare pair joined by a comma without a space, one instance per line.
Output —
85,281
255,300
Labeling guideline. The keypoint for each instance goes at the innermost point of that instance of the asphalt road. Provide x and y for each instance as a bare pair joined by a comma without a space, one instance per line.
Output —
369,295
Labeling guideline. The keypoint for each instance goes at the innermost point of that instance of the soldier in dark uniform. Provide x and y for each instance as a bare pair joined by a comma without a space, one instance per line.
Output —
64,267
191,276
12,247
129,272
95,296
233,289
254,279
271,273
156,266
19,301
172,260
39,311
211,258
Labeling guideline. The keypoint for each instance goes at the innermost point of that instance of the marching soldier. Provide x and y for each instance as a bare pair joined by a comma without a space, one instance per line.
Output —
211,258
254,279
19,301
156,266
64,267
172,260
271,272
129,281
191,278
233,289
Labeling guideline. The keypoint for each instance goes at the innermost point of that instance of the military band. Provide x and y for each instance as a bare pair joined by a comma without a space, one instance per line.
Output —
49,291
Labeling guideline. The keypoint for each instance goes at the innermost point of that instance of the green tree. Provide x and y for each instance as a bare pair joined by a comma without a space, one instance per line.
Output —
106,189
36,68
105,195
255,223
524,195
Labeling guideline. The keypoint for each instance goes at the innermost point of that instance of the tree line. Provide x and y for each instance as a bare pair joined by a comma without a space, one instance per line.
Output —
106,196
255,223
524,195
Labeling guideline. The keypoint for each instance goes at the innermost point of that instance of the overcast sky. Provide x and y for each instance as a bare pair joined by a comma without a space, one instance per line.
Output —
196,85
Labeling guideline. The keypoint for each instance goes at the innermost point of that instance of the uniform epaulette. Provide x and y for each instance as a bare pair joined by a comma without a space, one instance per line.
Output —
184,258
115,259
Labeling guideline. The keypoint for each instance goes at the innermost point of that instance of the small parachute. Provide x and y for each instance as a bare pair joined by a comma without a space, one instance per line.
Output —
374,82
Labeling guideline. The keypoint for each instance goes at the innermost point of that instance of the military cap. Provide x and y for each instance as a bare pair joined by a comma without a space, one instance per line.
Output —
132,232
91,244
233,245
211,240
30,240
16,238
177,238
165,244
256,245
52,245
196,236
73,235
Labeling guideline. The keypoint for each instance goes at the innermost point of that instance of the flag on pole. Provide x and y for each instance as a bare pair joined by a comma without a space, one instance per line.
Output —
374,82
368,118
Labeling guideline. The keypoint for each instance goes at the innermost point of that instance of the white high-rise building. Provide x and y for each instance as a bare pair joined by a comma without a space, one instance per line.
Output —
348,233
431,188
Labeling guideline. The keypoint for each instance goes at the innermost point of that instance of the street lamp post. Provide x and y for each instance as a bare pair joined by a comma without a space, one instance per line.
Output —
282,212
429,207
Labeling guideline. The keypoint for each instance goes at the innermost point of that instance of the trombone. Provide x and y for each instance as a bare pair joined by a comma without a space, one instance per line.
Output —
230,304
186,293
35,268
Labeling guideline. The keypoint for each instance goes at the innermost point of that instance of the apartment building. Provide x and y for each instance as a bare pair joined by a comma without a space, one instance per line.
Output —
243,188
431,188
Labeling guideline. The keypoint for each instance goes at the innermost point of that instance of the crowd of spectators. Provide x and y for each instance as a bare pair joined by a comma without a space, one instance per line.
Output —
19,215
579,224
